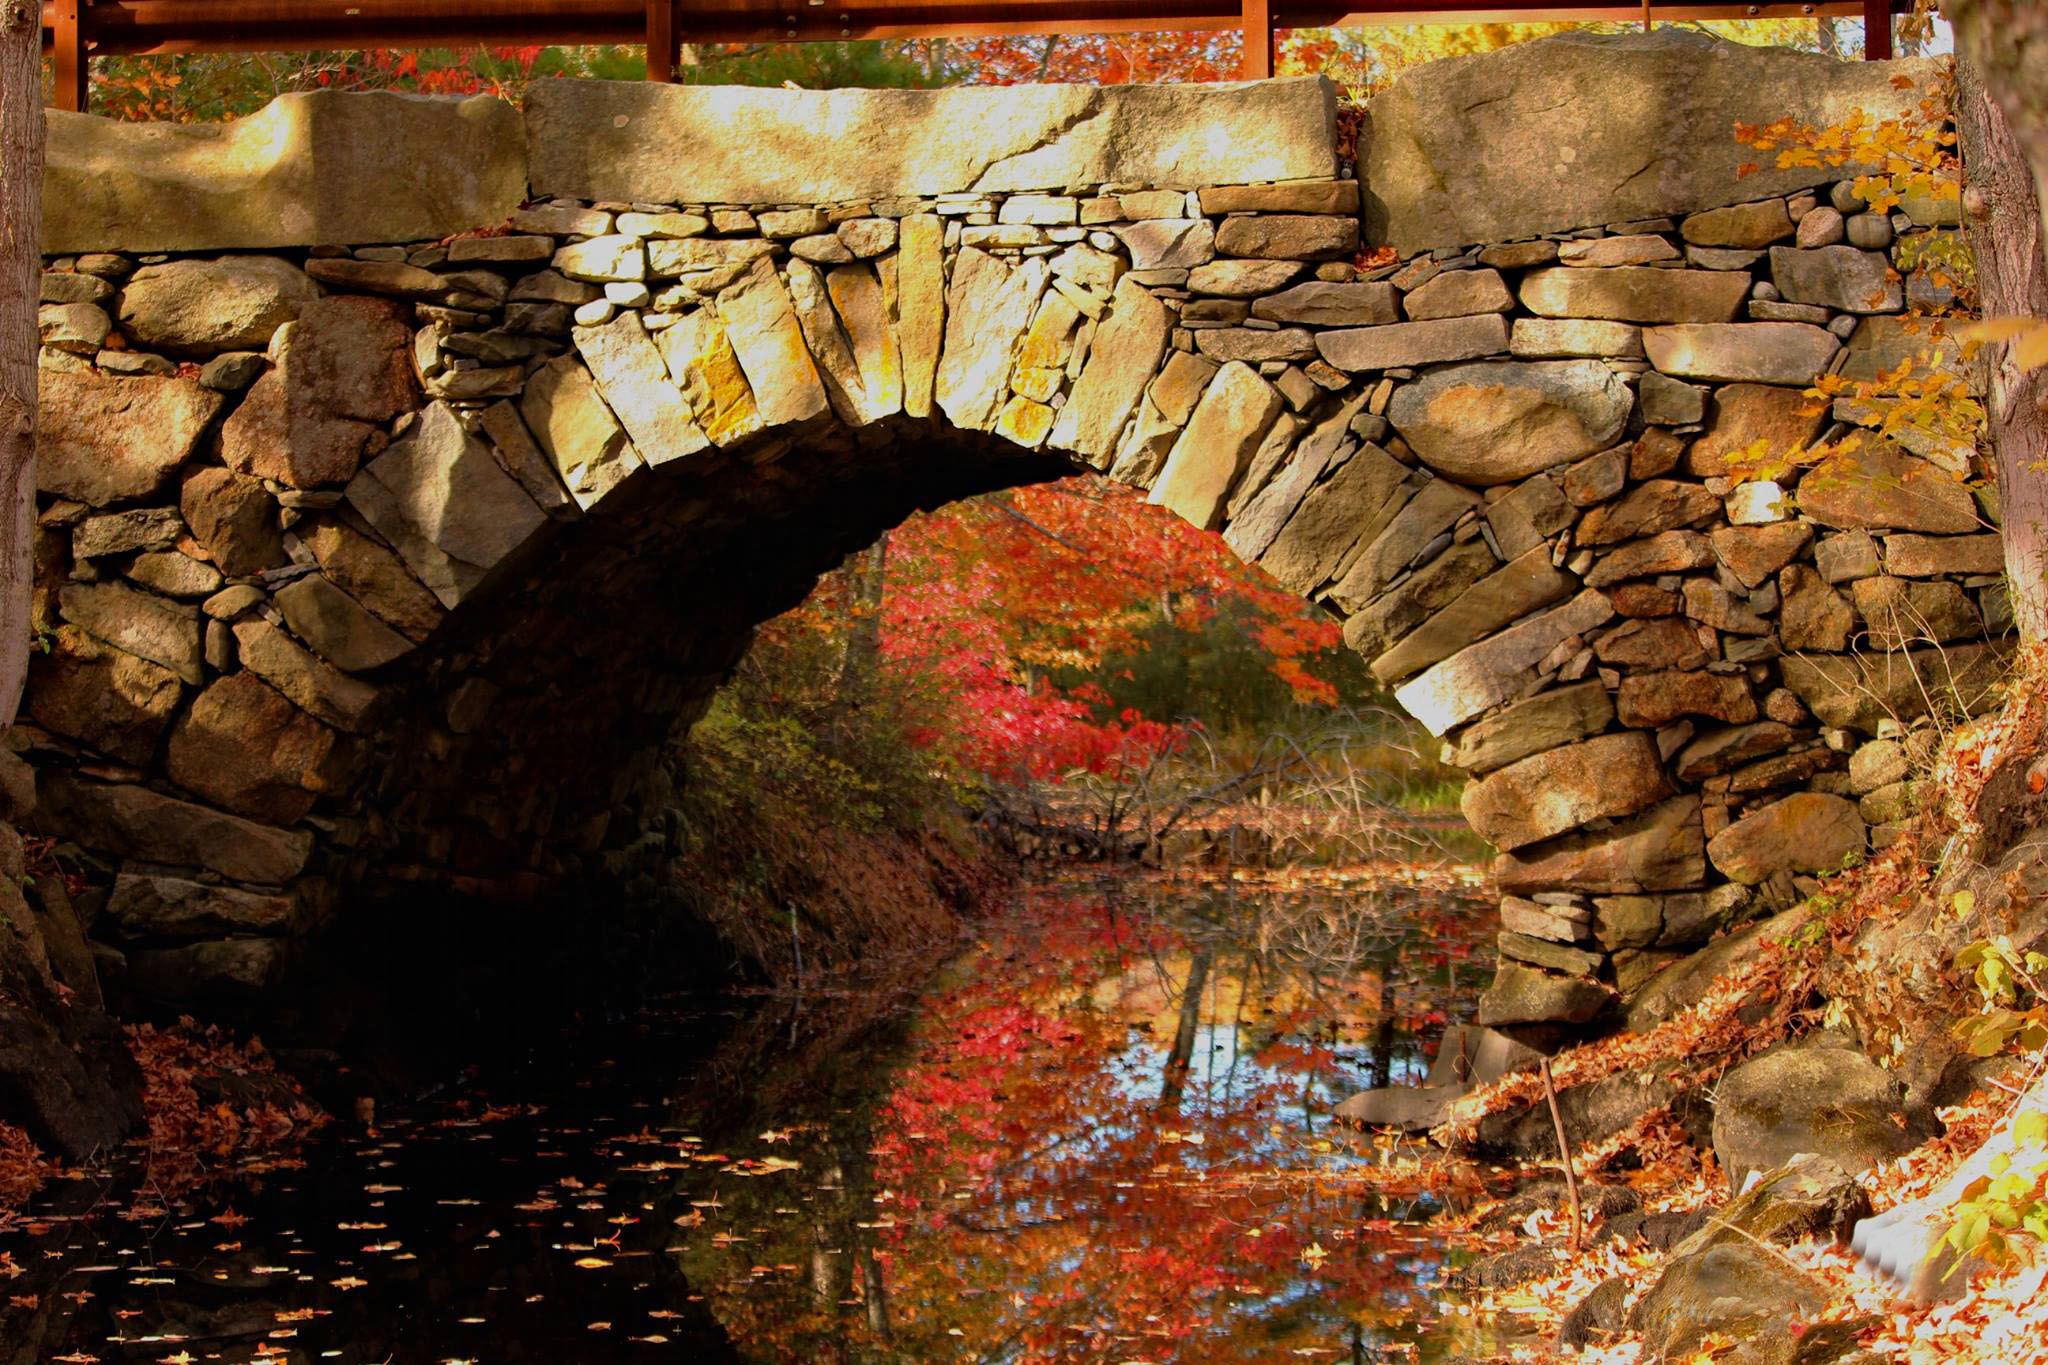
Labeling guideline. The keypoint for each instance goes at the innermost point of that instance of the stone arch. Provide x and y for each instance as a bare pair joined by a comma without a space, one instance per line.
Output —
382,562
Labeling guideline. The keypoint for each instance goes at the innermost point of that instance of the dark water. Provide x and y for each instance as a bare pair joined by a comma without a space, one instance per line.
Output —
1100,1132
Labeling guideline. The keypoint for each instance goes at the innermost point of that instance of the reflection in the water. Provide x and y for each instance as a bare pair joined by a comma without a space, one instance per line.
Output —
1099,1133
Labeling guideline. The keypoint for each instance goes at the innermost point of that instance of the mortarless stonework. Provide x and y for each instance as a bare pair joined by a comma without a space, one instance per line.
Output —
389,564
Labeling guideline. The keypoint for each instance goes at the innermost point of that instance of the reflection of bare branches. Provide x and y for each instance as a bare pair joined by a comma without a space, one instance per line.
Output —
1343,792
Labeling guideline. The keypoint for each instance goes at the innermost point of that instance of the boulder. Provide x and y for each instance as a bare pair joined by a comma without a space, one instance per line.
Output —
106,698
1685,983
1736,1290
1914,556
373,576
1288,236
216,974
153,905
1169,243
315,686
69,1081
120,533
1754,553
1497,422
1544,721
1234,413
988,307
1508,594
1393,542
629,371
1459,293
1654,700
201,307
1742,352
1410,1108
1642,294
1785,420
1385,619
761,323
101,440
1659,643
1660,849
594,140
243,747
174,574
446,506
1803,832
1720,751
1562,789
1860,692
1287,469
1600,1314
138,823
1898,612
1664,553
1429,153
1128,346
1524,518
1650,508
1880,486
1239,279
1750,226
344,366
1827,1100
1574,338
1326,304
575,426
234,519
1400,344
1522,994
1837,277
141,623
1493,670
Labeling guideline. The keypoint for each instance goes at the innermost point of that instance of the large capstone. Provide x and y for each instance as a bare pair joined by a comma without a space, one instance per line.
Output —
1618,126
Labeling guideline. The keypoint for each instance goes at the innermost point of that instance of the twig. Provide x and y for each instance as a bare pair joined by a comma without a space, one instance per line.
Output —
1564,1152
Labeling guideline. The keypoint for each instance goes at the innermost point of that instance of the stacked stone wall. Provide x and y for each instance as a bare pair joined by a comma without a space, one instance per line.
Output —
390,563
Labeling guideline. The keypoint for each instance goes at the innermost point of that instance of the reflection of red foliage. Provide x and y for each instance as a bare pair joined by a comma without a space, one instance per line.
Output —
1039,1200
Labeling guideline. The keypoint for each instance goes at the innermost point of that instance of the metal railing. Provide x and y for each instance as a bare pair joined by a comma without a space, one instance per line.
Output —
77,30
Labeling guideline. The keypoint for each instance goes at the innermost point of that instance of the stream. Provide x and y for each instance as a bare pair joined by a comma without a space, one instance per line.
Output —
1098,1129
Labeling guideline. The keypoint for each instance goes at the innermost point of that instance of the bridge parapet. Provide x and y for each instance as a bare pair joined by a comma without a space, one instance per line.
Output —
388,561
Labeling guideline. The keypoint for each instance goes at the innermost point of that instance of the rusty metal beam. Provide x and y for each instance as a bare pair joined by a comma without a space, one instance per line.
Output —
1877,30
183,26
68,65
661,40
1258,40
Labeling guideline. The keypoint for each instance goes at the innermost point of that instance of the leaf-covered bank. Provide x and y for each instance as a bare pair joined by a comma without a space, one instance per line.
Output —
1846,1057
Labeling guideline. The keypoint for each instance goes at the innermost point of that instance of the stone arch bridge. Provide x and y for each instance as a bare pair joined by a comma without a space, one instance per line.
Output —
409,468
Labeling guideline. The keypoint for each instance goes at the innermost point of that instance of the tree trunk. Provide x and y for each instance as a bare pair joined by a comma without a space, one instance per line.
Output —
21,220
1183,1054
858,667
2003,218
2007,41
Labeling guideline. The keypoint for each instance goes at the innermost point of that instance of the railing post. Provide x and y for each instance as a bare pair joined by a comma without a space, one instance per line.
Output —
1877,30
67,55
1258,40
661,40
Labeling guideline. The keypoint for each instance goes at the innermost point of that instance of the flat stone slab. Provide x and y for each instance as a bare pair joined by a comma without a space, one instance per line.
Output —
637,140
1620,126
305,169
